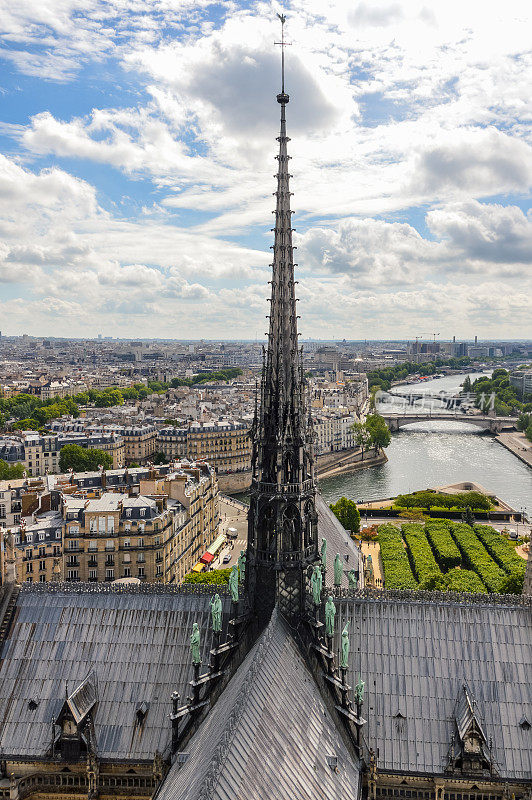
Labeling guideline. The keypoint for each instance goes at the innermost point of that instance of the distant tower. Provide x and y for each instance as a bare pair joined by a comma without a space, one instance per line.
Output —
282,522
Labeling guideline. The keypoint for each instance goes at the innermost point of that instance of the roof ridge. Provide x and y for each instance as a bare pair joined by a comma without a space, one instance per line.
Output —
220,753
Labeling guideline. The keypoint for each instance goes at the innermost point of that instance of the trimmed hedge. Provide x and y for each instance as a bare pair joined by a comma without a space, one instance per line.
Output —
464,580
459,500
397,571
501,550
419,550
445,548
477,558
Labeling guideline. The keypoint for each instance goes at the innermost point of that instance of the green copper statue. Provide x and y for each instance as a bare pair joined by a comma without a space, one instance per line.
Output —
338,570
344,661
216,613
242,565
330,612
324,553
352,578
359,691
195,644
316,582
233,583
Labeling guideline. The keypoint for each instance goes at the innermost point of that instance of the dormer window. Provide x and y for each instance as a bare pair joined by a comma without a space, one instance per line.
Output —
128,512
142,512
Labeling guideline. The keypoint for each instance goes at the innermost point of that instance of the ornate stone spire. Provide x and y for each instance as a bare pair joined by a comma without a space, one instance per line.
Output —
282,536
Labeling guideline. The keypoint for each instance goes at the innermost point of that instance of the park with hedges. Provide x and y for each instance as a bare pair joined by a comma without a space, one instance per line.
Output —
446,555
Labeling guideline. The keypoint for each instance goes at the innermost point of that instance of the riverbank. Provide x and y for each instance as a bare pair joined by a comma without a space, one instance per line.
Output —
518,444
329,465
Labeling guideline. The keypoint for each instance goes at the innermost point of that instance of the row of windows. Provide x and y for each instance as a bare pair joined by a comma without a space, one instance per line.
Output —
73,574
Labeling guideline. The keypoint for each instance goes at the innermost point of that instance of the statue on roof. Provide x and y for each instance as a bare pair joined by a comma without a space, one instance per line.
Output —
216,613
359,691
233,583
316,582
352,578
324,553
330,613
195,644
344,660
338,570
242,565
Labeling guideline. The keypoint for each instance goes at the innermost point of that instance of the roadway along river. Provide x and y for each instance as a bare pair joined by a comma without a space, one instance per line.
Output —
430,454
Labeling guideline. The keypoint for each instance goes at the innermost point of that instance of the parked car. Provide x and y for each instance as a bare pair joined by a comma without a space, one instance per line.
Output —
513,535
227,558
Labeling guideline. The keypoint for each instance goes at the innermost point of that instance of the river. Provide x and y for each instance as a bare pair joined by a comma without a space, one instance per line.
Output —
436,453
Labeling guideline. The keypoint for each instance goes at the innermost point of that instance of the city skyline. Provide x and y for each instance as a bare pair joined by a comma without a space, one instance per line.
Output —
138,148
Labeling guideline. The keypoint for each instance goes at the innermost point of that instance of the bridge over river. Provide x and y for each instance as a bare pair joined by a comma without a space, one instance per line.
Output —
396,421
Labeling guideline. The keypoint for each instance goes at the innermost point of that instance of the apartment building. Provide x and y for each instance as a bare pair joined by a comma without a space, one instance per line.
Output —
40,454
225,445
35,550
140,443
521,379
333,432
147,525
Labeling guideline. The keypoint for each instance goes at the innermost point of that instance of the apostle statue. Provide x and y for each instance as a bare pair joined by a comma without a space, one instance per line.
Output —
195,644
324,553
216,613
344,661
352,578
330,612
233,583
359,691
338,570
316,582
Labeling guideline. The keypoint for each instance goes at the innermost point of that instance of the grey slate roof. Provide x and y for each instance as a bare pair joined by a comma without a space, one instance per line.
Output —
268,736
415,655
135,642
338,541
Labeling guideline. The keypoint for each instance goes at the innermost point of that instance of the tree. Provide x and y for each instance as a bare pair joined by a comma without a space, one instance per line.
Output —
469,517
528,432
8,471
466,386
362,436
523,421
347,513
218,577
378,430
80,459
159,458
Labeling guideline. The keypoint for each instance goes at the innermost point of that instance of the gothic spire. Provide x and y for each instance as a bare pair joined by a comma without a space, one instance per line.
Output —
282,520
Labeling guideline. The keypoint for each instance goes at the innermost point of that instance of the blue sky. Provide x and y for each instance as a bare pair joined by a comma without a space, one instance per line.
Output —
137,156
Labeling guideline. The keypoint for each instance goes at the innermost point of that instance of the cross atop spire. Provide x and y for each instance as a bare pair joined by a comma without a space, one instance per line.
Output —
283,97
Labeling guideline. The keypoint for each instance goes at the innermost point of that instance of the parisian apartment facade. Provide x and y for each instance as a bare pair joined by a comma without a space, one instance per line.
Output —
143,525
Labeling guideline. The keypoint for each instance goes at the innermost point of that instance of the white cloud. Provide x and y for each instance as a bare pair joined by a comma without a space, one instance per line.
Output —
397,108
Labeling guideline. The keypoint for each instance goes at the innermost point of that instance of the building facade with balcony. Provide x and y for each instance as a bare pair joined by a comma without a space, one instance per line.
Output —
225,445
140,443
148,525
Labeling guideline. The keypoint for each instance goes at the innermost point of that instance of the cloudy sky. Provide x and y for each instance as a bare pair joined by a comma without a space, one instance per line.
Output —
137,161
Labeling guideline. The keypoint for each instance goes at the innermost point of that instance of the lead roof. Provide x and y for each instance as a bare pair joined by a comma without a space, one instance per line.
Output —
269,735
136,643
415,656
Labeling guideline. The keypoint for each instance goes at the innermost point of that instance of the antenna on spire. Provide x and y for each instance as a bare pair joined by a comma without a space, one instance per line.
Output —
283,44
